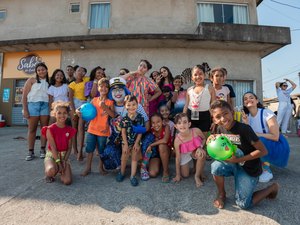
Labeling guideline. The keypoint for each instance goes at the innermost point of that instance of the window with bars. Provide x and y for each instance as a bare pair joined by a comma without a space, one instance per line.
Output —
75,7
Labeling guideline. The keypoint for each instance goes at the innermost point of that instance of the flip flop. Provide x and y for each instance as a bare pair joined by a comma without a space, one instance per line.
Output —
165,179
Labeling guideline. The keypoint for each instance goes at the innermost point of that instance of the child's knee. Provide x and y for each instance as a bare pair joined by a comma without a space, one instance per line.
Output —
50,172
67,181
217,168
185,175
153,173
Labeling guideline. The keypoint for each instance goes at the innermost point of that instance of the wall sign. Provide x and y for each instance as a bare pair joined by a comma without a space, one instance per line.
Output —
27,63
6,94
20,65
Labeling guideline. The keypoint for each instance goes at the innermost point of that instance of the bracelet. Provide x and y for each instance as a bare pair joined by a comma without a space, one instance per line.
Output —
176,90
57,160
95,82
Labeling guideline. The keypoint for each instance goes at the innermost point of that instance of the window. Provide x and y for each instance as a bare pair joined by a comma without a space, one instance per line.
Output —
99,15
222,13
240,87
74,7
2,14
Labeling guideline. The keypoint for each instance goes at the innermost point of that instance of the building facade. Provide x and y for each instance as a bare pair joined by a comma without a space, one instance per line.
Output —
115,34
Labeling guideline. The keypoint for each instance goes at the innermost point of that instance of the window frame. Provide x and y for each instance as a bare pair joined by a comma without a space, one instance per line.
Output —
90,15
223,16
5,14
73,4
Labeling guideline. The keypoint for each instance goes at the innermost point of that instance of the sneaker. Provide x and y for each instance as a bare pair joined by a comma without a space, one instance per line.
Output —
120,177
134,181
265,177
288,131
42,154
144,175
30,156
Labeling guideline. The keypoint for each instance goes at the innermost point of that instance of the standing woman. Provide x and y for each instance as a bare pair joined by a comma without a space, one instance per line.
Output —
141,86
285,106
36,107
77,98
264,123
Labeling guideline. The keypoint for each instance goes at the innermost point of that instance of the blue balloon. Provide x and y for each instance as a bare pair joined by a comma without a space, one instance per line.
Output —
88,111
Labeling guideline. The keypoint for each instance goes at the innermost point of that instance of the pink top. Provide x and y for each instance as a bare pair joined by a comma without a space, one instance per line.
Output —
61,136
191,145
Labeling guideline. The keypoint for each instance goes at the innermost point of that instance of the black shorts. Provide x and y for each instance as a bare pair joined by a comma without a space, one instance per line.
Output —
204,121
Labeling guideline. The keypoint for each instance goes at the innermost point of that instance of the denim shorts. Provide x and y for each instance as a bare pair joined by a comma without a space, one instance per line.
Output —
92,140
78,103
244,183
38,108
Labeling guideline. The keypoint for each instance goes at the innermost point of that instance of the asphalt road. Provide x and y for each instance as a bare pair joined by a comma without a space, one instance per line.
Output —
26,199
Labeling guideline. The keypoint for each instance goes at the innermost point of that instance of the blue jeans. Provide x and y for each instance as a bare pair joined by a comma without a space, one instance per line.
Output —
92,140
244,183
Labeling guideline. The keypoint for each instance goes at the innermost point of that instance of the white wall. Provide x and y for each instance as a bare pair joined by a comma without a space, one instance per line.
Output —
240,65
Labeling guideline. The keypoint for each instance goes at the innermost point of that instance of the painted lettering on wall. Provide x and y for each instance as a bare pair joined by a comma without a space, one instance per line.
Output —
27,63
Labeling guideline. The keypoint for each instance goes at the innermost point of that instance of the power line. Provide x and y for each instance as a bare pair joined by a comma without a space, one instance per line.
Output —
292,6
285,74
280,12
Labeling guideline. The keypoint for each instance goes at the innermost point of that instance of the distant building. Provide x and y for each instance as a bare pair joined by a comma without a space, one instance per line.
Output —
116,34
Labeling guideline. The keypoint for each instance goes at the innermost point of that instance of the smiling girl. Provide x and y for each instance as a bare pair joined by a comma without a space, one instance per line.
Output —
59,137
198,100
36,107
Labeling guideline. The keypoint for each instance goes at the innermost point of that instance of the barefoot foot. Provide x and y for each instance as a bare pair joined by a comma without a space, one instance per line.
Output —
219,202
103,172
85,172
198,181
79,157
274,192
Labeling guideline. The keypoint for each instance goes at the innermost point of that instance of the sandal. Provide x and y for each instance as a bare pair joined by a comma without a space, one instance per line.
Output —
165,179
144,175
134,181
219,202
120,177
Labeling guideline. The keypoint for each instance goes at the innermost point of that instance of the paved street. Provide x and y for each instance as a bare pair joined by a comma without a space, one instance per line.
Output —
26,199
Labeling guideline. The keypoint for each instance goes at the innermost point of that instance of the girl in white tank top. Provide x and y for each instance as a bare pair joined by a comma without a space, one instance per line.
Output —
198,100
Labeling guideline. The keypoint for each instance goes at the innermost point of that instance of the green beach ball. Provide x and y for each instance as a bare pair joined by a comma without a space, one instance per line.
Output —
221,148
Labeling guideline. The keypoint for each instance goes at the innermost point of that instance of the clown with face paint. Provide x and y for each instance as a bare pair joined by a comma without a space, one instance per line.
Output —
112,152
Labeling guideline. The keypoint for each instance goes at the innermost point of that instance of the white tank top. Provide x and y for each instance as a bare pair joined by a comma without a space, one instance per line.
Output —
199,102
38,92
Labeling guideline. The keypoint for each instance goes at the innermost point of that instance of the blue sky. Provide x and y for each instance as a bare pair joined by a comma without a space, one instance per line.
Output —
285,62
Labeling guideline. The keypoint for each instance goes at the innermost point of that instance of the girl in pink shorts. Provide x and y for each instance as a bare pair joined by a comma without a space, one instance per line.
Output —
188,146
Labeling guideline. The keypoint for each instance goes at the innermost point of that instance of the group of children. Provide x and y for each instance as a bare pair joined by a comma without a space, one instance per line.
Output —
186,135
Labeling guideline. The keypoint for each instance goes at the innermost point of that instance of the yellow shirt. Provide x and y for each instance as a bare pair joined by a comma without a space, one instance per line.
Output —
78,89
